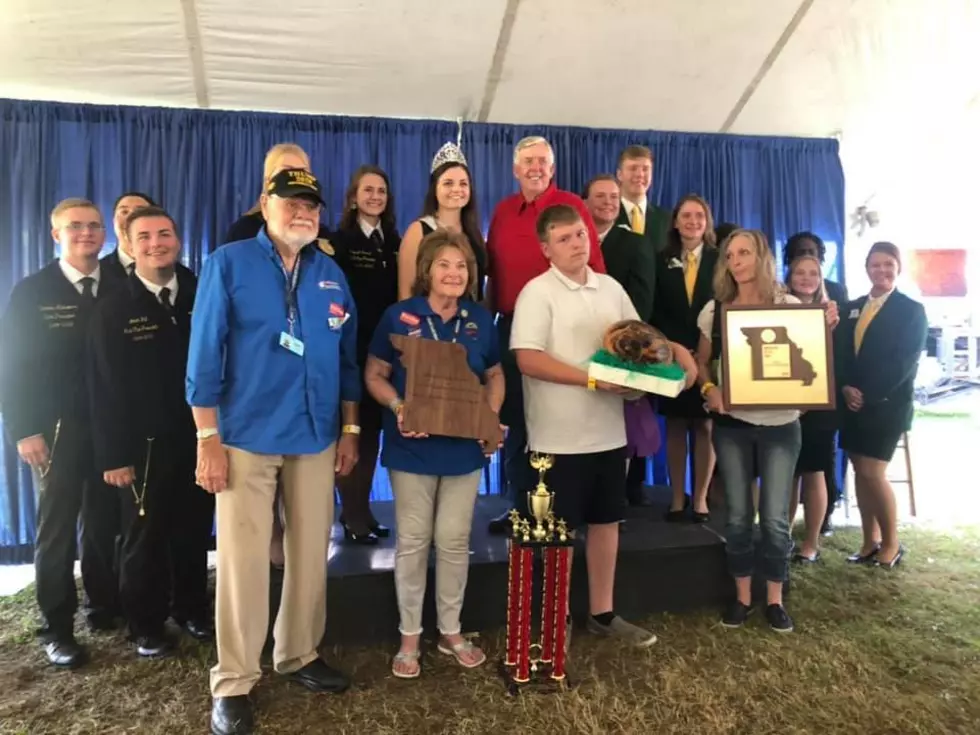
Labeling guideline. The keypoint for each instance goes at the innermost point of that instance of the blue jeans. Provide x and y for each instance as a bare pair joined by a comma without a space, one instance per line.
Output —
773,450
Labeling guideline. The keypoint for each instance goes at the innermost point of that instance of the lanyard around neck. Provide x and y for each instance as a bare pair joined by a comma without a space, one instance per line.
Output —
435,334
292,281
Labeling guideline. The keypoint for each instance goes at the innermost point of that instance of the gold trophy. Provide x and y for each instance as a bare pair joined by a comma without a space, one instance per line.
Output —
540,502
543,659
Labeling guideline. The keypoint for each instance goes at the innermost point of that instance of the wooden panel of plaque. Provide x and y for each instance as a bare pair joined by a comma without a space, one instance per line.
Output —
442,395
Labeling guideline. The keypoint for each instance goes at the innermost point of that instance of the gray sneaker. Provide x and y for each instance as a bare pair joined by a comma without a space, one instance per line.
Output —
619,628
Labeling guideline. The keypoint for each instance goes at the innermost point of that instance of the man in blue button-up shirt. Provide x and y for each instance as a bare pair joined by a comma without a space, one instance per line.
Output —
272,366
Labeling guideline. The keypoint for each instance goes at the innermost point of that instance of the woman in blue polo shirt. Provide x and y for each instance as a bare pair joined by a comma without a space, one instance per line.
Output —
435,478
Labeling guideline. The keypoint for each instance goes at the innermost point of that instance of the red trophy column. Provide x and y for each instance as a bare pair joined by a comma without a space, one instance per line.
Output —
561,611
548,605
524,647
513,603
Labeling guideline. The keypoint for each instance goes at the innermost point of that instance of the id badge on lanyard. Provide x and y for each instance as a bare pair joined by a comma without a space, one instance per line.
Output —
288,340
435,334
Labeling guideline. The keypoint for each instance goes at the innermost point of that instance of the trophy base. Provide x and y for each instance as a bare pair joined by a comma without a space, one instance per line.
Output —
539,682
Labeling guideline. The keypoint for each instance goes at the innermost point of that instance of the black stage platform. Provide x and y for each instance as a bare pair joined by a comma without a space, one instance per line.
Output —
662,567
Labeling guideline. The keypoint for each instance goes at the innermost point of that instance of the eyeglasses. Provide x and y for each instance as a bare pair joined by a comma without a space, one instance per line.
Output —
81,226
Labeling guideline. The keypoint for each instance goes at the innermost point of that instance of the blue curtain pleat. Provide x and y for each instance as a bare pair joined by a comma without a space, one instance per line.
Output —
205,167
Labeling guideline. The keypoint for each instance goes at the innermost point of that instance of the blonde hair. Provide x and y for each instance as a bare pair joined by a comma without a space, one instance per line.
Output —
71,203
273,162
821,293
725,286
430,247
528,142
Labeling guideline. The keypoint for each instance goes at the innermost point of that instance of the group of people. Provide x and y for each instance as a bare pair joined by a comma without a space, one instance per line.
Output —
280,365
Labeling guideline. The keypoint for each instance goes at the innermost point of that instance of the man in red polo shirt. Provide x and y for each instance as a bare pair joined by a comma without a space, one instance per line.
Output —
515,258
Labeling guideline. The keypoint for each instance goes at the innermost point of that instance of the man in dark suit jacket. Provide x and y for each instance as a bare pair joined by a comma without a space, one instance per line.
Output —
119,264
808,243
634,173
45,412
628,257
144,437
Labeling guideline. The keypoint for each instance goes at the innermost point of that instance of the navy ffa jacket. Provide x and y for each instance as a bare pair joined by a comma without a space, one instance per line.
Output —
137,361
42,353
885,367
672,313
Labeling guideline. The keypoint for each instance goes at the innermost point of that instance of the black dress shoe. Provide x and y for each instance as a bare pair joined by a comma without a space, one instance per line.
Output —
500,525
858,558
153,646
364,539
380,531
232,716
200,629
65,653
318,677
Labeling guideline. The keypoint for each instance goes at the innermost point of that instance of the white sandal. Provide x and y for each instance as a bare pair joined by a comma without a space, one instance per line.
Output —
457,649
406,657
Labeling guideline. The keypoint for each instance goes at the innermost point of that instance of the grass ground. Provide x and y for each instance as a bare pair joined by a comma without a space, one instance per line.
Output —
874,653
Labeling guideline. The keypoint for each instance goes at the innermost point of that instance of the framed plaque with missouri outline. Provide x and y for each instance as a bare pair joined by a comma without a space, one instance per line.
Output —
775,357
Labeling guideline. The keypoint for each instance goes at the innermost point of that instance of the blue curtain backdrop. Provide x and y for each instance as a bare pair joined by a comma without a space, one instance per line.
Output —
205,167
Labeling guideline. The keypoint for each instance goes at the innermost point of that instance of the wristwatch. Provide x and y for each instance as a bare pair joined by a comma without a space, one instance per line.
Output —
203,434
394,404
350,429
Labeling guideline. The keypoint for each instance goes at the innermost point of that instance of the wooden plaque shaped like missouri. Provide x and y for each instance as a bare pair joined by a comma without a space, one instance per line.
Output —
442,395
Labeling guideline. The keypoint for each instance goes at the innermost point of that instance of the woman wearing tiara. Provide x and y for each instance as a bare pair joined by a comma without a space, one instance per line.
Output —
450,204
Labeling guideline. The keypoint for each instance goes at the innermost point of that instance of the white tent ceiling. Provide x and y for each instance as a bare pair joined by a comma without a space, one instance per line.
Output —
878,73
783,67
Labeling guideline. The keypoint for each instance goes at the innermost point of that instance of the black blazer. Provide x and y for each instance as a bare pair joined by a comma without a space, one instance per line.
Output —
672,314
372,277
884,370
836,292
137,358
112,267
632,263
42,353
654,229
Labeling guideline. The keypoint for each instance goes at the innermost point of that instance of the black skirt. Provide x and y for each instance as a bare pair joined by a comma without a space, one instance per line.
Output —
864,433
689,404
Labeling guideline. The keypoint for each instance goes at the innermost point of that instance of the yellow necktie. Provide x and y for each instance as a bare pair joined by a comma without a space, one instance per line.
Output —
691,275
637,222
863,321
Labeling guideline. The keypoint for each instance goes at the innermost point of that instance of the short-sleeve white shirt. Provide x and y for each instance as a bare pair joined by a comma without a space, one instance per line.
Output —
567,320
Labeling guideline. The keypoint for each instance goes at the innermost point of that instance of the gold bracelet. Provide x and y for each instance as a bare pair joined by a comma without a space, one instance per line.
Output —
591,384
350,429
708,385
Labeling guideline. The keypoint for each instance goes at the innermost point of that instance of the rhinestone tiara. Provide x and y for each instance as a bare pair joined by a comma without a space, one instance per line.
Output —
449,153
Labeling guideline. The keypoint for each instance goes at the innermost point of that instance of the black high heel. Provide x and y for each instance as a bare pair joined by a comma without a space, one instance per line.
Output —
364,539
858,558
895,560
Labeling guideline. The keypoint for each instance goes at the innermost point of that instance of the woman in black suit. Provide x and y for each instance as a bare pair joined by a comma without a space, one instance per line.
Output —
882,337
366,248
683,288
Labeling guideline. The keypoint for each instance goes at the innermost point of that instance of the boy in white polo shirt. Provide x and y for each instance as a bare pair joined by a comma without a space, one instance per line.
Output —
559,322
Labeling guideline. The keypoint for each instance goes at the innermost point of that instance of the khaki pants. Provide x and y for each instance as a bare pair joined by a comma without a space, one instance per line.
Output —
244,529
427,509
